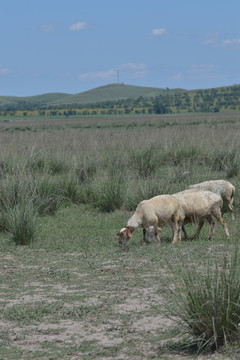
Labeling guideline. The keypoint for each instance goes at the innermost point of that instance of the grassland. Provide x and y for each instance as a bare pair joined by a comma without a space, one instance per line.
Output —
72,293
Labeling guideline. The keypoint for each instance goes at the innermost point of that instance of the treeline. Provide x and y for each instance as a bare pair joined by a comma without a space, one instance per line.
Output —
209,100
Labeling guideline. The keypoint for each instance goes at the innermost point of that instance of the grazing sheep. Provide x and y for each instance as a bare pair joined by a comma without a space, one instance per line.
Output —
158,211
221,187
198,205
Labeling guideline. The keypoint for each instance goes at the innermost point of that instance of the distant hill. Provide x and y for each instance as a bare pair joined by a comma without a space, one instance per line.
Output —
34,100
127,99
112,92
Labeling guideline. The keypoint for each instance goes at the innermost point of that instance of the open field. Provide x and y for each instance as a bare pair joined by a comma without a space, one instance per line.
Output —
72,293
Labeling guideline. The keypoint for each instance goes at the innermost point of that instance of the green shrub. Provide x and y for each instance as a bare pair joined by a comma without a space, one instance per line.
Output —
207,300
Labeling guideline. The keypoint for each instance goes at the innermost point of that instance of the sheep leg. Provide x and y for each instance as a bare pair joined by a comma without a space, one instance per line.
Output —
144,241
176,229
185,233
218,216
230,205
157,231
200,225
211,227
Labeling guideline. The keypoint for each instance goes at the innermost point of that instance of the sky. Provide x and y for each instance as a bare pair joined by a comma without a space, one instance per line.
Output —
71,46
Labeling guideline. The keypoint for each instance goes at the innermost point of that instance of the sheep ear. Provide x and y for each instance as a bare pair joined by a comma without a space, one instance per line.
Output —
129,233
122,232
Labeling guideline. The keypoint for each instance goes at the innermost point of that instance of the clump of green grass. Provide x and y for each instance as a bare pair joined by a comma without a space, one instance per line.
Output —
86,170
71,190
207,301
182,154
13,190
110,194
37,164
145,162
226,160
142,190
3,219
27,314
22,223
58,165
47,196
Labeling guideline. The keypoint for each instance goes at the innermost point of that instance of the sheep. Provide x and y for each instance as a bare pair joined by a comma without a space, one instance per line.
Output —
198,205
221,187
158,211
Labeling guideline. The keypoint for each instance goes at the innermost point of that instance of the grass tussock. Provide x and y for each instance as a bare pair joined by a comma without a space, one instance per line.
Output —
22,223
110,193
206,301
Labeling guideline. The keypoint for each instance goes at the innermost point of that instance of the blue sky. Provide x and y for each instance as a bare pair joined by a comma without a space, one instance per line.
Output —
75,45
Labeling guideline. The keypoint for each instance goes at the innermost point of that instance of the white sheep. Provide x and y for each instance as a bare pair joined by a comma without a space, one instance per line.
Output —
198,205
221,187
158,211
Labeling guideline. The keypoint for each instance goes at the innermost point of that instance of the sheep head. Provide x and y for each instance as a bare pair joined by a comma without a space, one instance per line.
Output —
125,234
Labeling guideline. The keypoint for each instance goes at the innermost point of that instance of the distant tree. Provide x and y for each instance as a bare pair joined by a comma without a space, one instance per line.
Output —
159,107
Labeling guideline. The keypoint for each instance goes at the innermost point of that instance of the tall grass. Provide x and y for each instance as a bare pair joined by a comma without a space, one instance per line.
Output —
22,223
110,192
47,194
207,300
110,166
228,160
145,162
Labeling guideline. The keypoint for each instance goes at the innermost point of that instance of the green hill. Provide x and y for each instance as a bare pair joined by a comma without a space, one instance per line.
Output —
115,92
121,98
34,100
112,92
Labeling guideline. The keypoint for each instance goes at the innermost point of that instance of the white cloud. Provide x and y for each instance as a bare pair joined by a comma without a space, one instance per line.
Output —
158,32
217,40
102,75
201,68
4,71
205,72
131,70
231,42
176,77
132,66
79,26
47,28
126,71
212,38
